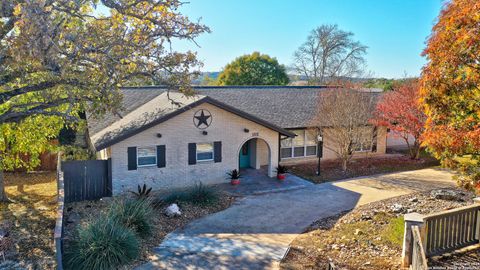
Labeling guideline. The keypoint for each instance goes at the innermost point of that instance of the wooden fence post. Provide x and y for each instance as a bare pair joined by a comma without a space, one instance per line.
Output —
412,219
477,231
58,232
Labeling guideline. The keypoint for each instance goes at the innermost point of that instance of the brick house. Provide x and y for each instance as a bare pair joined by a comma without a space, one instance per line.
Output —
167,140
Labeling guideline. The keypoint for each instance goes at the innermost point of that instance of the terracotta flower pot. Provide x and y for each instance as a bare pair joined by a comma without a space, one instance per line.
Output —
235,182
281,176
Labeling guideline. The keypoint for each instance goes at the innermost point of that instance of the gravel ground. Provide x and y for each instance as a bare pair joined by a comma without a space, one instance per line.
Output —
369,237
466,260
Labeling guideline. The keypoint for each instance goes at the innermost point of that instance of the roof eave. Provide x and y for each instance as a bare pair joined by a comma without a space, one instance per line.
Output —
206,99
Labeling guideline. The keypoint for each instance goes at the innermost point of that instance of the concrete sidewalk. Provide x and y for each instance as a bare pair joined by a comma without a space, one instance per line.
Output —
256,231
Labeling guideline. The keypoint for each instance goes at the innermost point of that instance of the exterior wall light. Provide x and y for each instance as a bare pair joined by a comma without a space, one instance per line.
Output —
246,130
204,132
159,135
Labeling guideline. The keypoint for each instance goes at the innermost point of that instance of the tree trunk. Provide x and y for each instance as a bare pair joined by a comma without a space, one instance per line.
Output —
344,165
414,150
417,151
3,194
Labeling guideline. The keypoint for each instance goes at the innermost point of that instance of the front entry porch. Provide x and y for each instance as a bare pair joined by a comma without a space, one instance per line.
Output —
255,153
256,181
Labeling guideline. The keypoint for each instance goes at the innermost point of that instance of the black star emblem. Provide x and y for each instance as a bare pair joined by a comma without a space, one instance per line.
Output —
202,119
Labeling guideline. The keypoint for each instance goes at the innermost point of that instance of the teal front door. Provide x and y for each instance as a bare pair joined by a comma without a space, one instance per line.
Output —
244,156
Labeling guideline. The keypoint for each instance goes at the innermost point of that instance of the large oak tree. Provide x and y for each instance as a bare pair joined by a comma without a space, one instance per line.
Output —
60,56
253,69
329,55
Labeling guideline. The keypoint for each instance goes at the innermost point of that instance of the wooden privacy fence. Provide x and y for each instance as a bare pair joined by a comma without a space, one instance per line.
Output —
439,233
87,179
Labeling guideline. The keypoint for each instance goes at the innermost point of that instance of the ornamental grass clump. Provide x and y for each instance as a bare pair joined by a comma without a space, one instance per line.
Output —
202,195
199,195
102,244
133,214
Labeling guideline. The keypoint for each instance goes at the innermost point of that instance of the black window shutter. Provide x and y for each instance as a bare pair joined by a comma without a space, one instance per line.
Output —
192,153
374,140
161,161
132,158
217,151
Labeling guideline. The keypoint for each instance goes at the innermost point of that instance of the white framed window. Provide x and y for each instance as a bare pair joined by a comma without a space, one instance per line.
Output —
204,152
303,145
310,142
146,156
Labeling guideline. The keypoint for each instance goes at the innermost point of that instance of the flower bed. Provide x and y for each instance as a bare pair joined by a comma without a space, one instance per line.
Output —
83,213
331,169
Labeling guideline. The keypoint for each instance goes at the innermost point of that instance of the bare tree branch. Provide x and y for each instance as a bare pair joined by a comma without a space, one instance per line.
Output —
329,53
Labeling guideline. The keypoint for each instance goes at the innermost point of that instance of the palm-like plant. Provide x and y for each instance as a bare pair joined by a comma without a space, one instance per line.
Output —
234,174
143,192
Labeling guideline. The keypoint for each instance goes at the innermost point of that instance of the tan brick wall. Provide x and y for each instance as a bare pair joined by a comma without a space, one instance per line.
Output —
262,152
329,154
381,140
176,134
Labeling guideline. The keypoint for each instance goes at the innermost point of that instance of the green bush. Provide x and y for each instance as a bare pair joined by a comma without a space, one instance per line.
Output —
199,194
133,214
468,168
102,244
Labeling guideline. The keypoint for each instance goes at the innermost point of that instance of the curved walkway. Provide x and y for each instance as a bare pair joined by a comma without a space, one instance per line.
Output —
256,231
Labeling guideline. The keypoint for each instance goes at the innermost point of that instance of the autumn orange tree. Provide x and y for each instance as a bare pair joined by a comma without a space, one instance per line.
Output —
401,112
450,82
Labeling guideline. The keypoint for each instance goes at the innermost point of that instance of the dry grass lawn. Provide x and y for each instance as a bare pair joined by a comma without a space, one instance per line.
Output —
31,217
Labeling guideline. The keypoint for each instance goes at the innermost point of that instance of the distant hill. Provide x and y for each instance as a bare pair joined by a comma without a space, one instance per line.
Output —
204,75
382,83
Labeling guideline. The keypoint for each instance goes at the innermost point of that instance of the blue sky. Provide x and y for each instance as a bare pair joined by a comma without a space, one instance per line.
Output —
394,30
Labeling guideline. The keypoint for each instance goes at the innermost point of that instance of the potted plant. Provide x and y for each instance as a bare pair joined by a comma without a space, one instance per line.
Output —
281,171
234,177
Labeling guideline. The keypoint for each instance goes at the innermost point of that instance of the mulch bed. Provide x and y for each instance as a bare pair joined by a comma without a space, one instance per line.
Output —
30,218
331,170
368,237
80,213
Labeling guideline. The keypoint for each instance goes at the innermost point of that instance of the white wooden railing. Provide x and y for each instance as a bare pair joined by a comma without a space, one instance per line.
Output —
451,230
439,233
419,260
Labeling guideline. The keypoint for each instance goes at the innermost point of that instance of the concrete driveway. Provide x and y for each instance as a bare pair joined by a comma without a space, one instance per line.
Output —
256,231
